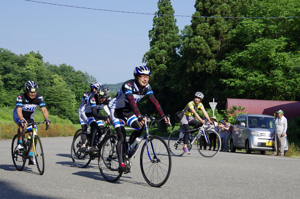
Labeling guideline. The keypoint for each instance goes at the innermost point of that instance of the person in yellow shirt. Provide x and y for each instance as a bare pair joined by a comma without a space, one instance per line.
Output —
190,110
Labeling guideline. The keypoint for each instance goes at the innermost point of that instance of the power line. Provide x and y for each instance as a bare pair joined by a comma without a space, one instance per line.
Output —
144,13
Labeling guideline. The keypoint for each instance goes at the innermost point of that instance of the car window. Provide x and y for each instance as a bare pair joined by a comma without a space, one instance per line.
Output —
237,121
243,119
261,122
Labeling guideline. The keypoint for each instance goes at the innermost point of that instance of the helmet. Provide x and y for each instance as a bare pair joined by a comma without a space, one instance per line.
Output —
103,91
141,70
95,85
199,94
31,86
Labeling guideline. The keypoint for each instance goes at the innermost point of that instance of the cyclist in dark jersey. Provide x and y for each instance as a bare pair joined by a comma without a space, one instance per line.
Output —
26,105
81,111
95,103
123,109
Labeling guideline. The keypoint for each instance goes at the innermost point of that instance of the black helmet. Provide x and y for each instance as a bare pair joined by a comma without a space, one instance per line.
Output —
31,86
103,91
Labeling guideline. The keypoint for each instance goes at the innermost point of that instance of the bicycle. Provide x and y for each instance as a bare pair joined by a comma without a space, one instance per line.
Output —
155,157
79,155
19,157
205,146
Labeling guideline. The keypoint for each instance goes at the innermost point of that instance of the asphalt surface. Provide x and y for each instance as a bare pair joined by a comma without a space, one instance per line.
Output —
227,175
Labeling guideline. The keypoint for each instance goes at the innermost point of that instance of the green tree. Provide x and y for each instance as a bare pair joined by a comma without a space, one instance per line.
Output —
162,56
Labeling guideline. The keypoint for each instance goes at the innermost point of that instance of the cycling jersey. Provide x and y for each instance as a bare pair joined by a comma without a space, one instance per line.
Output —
81,110
129,94
92,108
190,105
28,105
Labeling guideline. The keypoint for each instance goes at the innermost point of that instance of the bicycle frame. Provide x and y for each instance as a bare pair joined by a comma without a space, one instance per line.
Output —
201,132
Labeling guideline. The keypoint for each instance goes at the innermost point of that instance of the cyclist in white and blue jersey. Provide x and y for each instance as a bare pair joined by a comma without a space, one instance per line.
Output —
124,109
96,102
81,111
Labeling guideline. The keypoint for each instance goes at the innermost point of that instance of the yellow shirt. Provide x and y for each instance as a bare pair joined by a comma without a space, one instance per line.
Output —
192,104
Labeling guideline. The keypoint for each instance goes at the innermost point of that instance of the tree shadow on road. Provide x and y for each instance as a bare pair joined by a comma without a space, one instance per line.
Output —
8,190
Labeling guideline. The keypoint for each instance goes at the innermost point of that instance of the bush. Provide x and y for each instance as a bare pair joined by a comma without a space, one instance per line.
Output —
293,131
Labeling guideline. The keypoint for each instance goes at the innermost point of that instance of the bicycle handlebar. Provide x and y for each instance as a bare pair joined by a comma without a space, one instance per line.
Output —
35,123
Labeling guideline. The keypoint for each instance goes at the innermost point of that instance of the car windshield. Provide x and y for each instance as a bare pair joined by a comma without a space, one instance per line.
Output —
261,122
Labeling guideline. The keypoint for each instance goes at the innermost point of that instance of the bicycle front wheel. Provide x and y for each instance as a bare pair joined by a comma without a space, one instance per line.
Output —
108,159
79,157
18,156
155,161
209,144
39,155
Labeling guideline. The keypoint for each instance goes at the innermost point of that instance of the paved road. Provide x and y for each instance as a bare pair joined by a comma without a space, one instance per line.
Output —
227,175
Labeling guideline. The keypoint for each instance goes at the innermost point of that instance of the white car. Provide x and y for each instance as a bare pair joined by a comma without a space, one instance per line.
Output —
253,132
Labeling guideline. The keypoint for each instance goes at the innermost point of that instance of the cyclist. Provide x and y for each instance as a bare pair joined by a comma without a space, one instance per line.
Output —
188,119
81,111
123,109
26,105
96,102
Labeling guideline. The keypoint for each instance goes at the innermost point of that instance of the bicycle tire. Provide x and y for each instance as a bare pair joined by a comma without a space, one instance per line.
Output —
156,169
108,162
175,143
204,148
18,157
76,133
39,155
78,155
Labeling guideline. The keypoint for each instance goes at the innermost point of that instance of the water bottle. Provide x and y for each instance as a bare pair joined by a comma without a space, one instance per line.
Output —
181,135
135,145
191,137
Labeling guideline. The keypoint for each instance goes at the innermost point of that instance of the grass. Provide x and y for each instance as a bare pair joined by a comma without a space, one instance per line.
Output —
58,127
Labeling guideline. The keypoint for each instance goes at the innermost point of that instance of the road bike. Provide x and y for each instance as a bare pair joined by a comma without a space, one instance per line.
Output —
32,141
208,141
80,157
155,157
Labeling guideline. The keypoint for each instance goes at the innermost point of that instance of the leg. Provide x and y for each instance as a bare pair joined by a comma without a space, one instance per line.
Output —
276,145
282,143
93,133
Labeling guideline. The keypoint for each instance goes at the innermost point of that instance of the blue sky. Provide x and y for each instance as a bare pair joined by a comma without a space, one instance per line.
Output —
107,45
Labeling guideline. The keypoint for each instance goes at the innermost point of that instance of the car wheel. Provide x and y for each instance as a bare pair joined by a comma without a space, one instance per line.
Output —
248,150
262,152
232,148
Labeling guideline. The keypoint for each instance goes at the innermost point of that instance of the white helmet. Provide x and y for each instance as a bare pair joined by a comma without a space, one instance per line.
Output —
141,70
95,85
199,94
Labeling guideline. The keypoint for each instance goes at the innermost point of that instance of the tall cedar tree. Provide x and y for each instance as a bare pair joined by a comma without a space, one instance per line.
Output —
202,51
164,43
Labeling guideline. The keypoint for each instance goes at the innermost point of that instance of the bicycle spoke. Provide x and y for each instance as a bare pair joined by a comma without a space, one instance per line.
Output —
209,144
39,155
17,155
156,168
79,157
108,159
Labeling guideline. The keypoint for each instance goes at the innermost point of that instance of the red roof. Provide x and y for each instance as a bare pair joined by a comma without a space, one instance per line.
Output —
268,107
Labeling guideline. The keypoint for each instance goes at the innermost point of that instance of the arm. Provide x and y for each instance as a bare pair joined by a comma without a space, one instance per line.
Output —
106,109
97,115
156,104
285,127
206,115
45,114
19,113
196,115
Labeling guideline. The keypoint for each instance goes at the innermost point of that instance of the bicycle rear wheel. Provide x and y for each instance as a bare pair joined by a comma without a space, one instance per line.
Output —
155,161
209,148
108,162
18,156
39,155
175,143
76,133
79,157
